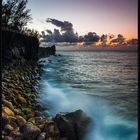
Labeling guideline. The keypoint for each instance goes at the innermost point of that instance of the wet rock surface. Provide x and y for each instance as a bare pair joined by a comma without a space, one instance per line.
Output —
73,126
30,131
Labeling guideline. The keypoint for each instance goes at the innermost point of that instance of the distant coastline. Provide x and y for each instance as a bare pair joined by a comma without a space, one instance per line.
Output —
77,47
90,48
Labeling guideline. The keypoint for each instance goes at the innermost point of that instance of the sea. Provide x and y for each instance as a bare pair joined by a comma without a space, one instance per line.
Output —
104,84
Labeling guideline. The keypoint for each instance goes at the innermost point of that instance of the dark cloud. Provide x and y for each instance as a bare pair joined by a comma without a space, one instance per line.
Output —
70,37
120,39
103,38
49,31
111,36
66,33
133,42
91,37
57,37
65,26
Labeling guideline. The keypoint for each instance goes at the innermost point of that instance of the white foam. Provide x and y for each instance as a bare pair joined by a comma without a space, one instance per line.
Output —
107,126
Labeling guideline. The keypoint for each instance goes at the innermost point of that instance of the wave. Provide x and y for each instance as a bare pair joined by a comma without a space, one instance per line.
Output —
60,97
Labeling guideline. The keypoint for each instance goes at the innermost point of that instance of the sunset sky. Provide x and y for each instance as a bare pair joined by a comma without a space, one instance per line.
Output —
100,16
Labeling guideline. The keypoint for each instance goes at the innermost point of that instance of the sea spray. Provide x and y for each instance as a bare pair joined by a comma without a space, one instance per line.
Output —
58,96
105,126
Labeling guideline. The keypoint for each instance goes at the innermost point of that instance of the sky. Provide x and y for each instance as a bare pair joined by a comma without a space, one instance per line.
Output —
100,16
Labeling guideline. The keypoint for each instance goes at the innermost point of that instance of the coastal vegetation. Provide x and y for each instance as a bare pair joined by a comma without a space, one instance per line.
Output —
15,15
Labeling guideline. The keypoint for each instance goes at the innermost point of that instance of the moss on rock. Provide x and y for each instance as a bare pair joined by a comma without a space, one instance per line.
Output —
21,99
21,121
8,111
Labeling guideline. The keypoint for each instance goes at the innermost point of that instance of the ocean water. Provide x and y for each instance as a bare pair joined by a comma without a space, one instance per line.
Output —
102,84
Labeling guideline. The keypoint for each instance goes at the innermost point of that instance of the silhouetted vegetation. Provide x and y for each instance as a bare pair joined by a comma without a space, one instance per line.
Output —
15,15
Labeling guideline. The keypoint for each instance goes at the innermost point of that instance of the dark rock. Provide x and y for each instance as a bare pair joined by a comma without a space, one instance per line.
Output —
44,52
7,103
38,119
41,136
53,49
19,48
73,125
7,138
32,120
8,128
4,121
30,131
63,138
20,120
38,113
3,96
4,133
16,134
46,113
13,121
38,107
51,129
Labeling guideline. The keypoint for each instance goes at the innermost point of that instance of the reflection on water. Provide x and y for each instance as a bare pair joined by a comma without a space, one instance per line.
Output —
103,84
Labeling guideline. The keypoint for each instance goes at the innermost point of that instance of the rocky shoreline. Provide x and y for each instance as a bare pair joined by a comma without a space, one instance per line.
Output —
22,115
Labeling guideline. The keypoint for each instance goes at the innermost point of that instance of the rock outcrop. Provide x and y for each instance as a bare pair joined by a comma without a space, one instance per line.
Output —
19,49
73,126
44,52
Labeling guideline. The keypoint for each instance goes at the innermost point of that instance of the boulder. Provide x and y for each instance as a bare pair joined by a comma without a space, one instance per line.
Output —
4,121
8,128
13,121
32,120
73,125
17,111
16,134
8,111
30,131
20,120
4,133
51,130
41,136
7,138
7,104
21,99
38,113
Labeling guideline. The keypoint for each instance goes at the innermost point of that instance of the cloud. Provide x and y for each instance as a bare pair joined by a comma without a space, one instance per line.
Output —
65,26
103,38
66,33
133,42
120,39
111,36
70,37
57,37
91,37
49,31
